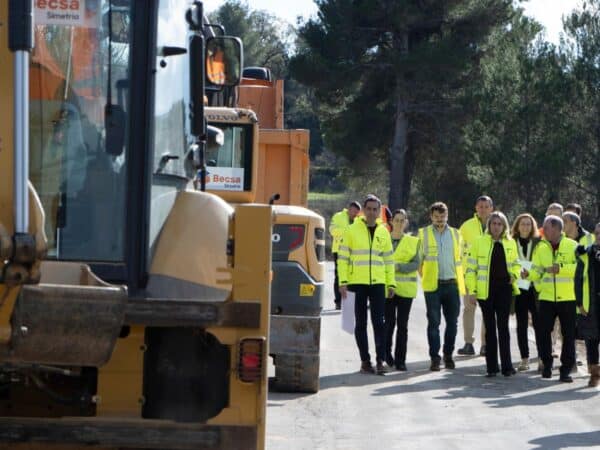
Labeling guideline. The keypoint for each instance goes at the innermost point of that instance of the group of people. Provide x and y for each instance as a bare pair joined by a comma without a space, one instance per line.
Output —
550,273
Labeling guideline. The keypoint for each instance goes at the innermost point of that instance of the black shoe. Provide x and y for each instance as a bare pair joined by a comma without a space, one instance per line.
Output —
380,369
449,362
366,367
491,374
401,367
435,365
509,372
338,305
482,351
466,350
566,378
547,372
389,360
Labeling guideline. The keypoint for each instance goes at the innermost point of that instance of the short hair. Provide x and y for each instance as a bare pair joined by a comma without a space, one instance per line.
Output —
555,221
575,207
485,198
572,217
354,204
372,198
439,207
534,233
503,219
555,206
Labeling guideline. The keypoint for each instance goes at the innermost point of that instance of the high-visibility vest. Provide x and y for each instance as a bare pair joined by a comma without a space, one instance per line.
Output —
339,222
470,230
429,268
585,293
554,287
215,70
406,251
477,277
366,260
587,239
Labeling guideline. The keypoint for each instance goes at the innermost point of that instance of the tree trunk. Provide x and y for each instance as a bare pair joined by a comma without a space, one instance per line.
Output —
401,166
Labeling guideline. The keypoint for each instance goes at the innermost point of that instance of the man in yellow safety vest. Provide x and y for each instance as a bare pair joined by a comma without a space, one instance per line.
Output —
366,267
443,282
553,270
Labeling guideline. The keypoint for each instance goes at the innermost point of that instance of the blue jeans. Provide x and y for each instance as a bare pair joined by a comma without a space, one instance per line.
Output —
447,301
375,293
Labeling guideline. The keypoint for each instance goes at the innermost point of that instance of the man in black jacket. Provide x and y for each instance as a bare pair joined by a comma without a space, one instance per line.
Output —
587,293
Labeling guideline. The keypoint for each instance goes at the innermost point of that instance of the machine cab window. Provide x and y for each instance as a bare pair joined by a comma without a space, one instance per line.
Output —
77,72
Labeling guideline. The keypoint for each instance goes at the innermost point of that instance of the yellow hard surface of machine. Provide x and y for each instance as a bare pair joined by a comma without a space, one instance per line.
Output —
134,310
260,161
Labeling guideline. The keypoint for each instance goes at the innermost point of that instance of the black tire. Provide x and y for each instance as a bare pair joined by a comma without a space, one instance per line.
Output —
296,373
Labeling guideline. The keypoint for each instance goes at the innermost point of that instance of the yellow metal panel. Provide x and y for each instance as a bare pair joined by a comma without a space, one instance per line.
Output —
251,282
7,297
6,124
120,380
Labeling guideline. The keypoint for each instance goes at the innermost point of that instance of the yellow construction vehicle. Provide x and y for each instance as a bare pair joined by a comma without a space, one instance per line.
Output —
260,161
134,309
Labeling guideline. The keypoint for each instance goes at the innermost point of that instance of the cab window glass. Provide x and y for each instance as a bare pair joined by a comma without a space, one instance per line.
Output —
80,183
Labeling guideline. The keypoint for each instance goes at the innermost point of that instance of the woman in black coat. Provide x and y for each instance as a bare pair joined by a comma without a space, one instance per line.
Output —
587,293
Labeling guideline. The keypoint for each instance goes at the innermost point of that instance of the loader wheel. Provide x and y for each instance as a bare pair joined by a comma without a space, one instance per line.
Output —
296,373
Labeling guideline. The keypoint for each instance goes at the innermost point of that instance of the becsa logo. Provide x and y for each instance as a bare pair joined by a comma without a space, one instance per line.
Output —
58,5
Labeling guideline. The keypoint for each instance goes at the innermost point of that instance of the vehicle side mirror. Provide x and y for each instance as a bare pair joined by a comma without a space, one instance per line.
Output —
224,60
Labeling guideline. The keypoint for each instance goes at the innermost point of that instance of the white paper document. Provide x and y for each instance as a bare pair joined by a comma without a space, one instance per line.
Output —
524,284
348,313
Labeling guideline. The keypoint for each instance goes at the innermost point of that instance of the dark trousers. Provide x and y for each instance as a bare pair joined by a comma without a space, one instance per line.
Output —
447,301
526,304
375,294
397,310
592,350
566,313
496,309
336,282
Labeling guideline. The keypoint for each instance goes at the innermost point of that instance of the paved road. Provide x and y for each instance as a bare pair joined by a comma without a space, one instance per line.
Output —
420,409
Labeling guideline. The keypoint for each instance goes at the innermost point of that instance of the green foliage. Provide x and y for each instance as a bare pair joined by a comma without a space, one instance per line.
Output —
388,75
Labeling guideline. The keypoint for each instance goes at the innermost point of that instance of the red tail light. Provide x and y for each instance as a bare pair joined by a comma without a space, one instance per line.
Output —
250,364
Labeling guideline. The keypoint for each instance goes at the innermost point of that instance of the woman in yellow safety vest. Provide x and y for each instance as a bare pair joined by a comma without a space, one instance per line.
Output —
492,271
397,309
587,294
526,235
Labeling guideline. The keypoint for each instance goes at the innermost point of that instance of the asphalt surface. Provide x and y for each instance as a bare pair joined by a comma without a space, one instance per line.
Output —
419,409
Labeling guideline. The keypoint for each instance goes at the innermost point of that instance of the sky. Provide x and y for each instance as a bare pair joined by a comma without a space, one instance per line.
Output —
547,12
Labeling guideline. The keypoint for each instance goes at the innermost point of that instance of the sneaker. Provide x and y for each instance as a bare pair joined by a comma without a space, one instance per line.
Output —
524,365
547,372
449,362
435,364
380,369
566,378
466,350
482,351
366,367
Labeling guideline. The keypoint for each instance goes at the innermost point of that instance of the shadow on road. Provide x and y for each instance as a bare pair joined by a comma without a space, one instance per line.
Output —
567,440
499,392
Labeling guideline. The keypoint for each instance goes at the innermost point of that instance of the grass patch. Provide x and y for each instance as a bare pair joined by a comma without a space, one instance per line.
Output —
316,196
